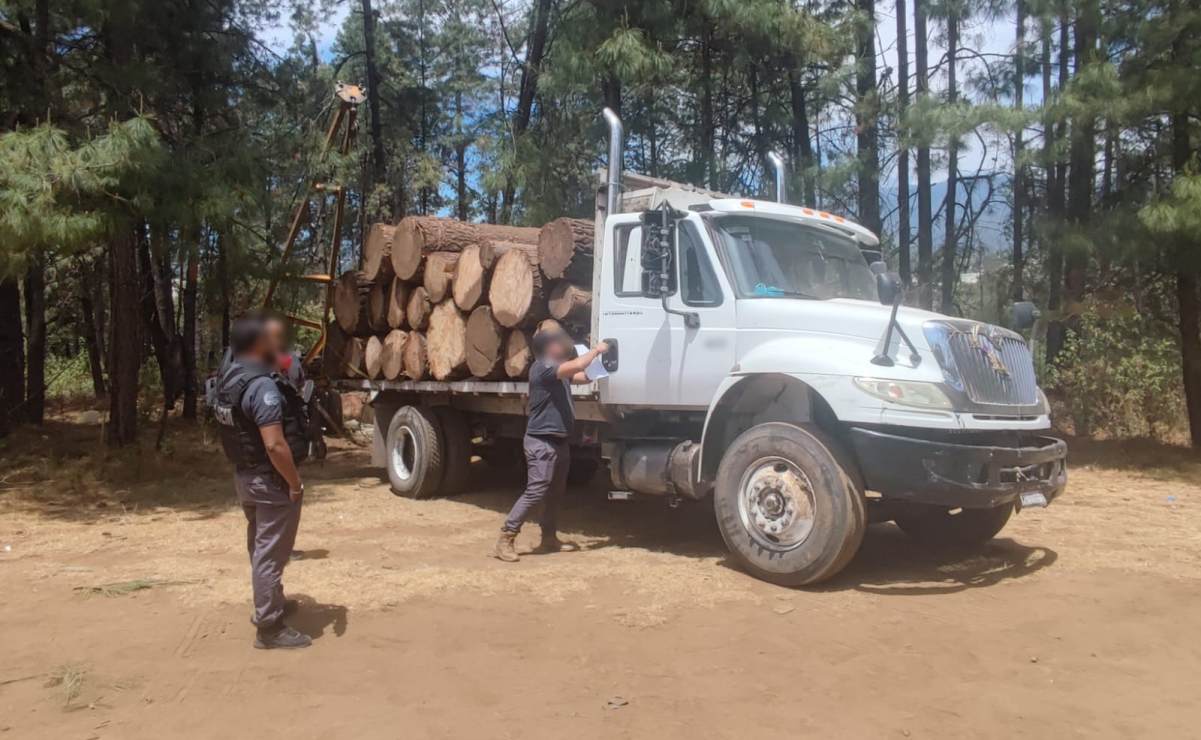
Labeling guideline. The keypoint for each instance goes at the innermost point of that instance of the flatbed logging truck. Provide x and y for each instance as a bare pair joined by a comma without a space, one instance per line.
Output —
762,363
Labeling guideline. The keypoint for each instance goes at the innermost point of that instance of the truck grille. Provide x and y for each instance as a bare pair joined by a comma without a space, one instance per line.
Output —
990,365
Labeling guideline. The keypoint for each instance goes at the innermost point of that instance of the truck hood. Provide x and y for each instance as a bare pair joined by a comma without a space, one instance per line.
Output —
845,317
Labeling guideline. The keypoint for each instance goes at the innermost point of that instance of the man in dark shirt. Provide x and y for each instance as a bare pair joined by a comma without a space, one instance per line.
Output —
264,437
547,453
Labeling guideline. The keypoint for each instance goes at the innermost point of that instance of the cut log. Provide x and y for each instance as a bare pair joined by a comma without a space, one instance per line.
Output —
515,293
417,310
373,357
417,236
416,361
377,252
446,342
352,303
471,279
570,303
565,250
549,325
352,364
492,249
378,303
438,273
517,354
485,340
392,365
333,356
398,303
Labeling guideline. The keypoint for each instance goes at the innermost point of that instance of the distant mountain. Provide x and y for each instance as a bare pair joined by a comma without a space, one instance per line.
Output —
992,228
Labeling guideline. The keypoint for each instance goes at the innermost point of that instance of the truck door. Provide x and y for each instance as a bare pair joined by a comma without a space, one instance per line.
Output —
662,361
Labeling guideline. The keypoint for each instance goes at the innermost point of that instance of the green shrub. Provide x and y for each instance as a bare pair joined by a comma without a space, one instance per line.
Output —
1118,375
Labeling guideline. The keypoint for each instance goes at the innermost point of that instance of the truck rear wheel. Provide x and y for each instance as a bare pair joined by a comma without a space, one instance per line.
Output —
787,510
414,452
937,525
456,450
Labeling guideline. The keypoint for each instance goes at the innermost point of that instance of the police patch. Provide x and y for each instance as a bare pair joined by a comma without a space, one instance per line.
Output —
271,398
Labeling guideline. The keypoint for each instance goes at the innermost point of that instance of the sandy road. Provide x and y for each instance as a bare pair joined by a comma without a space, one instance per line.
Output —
1079,621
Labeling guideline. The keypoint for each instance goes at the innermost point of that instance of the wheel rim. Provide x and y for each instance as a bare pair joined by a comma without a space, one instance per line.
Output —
776,504
404,453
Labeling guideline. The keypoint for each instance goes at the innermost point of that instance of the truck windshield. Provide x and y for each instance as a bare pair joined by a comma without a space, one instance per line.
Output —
784,259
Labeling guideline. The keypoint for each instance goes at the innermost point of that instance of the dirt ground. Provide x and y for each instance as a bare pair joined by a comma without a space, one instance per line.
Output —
124,606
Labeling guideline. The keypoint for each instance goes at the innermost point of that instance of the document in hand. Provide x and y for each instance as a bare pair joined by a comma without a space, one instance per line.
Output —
596,368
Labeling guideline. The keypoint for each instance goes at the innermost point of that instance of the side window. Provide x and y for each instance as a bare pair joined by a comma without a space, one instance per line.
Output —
698,283
628,265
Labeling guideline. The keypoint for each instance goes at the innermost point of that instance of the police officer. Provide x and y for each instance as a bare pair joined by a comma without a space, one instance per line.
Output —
263,430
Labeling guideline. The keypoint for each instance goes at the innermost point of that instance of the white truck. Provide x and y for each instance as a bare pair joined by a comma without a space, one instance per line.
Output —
759,361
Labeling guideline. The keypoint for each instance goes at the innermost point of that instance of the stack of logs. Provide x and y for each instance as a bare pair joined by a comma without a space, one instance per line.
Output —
445,299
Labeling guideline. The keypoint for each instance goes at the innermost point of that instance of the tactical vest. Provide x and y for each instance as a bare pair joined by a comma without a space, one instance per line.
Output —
240,436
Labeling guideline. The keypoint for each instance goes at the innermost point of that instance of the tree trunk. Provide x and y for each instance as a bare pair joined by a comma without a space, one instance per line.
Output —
447,342
398,304
1081,155
485,339
190,292
565,250
515,293
903,257
535,49
373,357
1056,209
90,327
378,157
949,271
1019,180
392,364
470,281
223,280
867,108
708,126
517,354
925,217
12,354
417,236
34,410
571,304
125,342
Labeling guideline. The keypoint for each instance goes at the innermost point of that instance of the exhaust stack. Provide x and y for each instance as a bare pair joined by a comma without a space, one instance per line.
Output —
616,145
777,163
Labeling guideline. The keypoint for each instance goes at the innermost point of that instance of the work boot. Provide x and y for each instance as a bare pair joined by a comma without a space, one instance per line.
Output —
506,547
283,637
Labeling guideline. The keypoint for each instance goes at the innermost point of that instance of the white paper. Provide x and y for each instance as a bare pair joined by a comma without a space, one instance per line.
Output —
596,368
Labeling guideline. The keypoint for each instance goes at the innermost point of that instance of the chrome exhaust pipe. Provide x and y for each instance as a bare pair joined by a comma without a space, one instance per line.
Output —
616,145
777,163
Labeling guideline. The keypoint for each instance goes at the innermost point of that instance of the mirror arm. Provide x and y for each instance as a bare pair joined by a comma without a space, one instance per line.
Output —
882,357
692,319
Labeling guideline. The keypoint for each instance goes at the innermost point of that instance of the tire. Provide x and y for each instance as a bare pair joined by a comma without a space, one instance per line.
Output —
787,510
582,470
331,401
413,455
858,493
936,525
502,454
456,450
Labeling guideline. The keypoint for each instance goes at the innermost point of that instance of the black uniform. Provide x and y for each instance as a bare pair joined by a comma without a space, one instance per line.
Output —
249,396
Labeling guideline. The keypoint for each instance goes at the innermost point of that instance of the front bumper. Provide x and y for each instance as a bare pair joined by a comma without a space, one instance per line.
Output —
960,475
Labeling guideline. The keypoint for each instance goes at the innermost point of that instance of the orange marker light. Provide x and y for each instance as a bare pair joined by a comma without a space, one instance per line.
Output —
747,204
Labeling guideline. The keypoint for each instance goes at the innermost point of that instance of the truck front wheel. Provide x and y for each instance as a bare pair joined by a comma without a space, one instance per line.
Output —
414,452
938,525
787,510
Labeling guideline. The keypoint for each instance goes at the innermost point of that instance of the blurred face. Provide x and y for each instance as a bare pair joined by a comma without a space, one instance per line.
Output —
273,342
557,351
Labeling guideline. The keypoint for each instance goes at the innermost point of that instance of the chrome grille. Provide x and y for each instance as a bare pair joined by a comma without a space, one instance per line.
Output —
994,368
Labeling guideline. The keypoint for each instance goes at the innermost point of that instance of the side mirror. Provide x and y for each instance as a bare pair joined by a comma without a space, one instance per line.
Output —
888,285
872,257
1022,315
878,267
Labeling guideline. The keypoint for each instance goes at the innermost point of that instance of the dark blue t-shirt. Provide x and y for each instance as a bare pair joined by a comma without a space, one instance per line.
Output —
550,411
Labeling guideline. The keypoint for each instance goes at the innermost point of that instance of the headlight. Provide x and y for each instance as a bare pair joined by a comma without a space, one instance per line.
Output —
921,395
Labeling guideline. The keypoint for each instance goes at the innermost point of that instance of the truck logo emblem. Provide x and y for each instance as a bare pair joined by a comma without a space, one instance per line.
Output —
987,346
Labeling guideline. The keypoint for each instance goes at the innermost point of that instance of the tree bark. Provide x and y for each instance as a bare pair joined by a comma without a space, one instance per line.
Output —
570,303
903,256
190,315
378,157
1019,180
125,342
925,218
949,268
1056,208
867,108
417,236
12,354
90,327
1081,173
565,250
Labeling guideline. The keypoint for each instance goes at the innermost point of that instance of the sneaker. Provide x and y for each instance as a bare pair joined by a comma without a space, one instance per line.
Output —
284,638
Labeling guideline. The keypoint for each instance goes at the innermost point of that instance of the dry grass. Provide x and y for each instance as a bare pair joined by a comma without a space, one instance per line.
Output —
68,679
